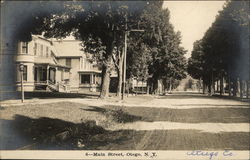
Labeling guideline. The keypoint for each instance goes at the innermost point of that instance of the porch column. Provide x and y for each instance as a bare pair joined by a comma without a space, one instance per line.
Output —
80,78
62,78
38,73
55,74
47,78
92,78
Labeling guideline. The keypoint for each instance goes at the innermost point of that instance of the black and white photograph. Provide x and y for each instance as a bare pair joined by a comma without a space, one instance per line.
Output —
125,80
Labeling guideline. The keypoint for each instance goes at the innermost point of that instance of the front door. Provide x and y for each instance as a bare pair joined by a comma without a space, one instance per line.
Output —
40,74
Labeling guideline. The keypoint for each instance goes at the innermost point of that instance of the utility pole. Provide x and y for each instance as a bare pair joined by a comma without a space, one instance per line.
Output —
21,71
124,63
125,56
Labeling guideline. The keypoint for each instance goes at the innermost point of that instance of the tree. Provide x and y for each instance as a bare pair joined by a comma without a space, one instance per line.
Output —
99,24
224,50
106,24
138,59
195,63
163,43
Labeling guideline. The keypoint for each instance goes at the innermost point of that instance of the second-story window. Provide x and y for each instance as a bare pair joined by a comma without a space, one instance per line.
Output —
41,50
35,49
68,62
47,51
24,47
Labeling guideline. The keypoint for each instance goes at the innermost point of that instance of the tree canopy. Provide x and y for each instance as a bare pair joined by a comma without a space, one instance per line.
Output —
101,25
224,49
164,45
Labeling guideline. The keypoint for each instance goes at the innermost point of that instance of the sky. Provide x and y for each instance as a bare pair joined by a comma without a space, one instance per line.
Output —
192,19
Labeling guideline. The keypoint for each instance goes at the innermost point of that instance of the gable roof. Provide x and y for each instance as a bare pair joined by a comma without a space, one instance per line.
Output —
68,48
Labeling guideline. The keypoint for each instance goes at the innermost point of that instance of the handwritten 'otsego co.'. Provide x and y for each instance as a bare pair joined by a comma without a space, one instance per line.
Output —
208,154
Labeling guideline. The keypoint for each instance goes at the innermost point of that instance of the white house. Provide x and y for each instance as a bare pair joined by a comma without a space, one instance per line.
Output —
55,65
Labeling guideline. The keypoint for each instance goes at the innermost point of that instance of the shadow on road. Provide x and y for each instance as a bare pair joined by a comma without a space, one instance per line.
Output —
117,115
46,133
55,134
192,115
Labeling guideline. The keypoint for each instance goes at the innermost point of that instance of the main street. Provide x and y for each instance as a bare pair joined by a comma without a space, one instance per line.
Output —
178,121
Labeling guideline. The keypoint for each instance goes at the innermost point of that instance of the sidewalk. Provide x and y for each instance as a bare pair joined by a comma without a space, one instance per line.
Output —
91,100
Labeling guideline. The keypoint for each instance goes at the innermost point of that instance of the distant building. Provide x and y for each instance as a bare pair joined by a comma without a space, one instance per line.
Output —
56,65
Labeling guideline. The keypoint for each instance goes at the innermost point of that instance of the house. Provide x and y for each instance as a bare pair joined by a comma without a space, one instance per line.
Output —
55,65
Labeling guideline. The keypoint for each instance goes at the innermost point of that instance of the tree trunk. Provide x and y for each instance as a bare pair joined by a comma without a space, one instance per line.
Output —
212,85
221,85
105,82
217,86
137,86
147,89
158,87
210,89
235,88
163,86
119,87
106,70
203,87
155,86
229,86
199,86
170,85
127,87
241,88
247,88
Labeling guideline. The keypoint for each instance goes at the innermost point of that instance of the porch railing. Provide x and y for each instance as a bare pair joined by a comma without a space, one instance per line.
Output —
55,87
52,86
63,87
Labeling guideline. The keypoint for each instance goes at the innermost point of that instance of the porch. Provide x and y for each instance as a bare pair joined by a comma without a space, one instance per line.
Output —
90,80
51,77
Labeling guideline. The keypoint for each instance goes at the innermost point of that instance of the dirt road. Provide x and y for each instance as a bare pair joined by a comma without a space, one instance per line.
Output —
180,121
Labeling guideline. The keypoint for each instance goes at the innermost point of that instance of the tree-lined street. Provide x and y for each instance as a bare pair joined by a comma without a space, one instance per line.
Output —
130,85
222,55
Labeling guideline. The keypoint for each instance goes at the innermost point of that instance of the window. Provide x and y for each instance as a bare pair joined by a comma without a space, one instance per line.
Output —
41,51
47,51
35,73
35,49
24,47
85,78
25,74
68,62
